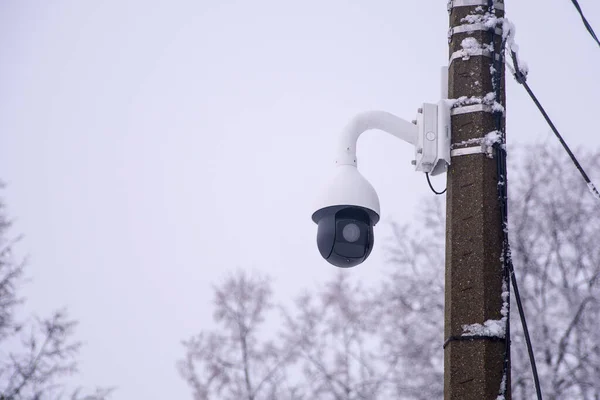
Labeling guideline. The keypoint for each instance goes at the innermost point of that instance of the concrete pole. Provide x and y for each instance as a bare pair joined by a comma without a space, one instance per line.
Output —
473,370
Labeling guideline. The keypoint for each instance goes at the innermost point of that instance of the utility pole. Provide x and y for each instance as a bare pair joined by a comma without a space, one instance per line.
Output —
473,369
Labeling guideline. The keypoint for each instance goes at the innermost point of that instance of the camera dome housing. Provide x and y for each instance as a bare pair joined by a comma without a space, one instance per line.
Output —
346,215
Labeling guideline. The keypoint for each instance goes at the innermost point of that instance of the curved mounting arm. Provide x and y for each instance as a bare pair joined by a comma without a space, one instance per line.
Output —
381,120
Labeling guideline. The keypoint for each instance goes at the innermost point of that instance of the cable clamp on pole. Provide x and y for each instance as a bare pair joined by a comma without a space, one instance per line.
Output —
473,108
471,3
467,28
471,338
466,151
462,54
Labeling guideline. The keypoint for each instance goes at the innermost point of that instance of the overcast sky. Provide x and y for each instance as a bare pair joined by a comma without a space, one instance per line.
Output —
149,147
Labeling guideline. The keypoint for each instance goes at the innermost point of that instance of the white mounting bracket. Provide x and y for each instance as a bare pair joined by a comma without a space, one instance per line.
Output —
432,150
429,133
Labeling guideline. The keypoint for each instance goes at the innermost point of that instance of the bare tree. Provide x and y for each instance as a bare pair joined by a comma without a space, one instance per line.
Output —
336,332
239,361
412,311
345,342
555,230
38,352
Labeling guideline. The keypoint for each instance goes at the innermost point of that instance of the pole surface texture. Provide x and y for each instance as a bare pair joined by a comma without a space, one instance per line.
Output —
473,370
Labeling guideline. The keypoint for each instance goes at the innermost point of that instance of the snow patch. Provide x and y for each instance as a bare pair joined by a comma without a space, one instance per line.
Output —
491,21
492,138
470,47
502,388
490,328
508,34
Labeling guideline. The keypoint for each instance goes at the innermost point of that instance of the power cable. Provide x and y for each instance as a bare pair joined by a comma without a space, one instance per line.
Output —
497,72
585,21
508,268
431,186
522,79
502,189
536,378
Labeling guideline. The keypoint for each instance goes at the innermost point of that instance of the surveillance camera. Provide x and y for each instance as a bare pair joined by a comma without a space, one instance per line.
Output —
346,216
349,209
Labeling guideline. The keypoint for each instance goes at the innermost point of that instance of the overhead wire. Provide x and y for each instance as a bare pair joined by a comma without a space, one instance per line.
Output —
521,78
585,21
536,378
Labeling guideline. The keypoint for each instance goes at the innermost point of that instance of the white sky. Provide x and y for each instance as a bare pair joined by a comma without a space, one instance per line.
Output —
149,147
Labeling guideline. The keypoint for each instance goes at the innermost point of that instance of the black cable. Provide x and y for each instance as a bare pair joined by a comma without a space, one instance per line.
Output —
502,188
508,272
536,379
585,21
522,79
506,255
508,268
431,186
498,64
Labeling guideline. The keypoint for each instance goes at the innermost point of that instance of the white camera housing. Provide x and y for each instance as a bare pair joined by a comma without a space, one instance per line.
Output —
346,215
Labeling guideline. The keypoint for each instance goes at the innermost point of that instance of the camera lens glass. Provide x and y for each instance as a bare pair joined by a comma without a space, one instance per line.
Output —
351,233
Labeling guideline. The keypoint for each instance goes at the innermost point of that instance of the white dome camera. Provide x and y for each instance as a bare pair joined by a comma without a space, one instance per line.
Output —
346,216
349,207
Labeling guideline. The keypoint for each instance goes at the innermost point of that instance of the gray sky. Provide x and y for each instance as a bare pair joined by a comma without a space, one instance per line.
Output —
149,147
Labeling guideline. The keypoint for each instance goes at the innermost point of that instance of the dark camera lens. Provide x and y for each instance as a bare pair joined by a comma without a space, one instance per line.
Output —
345,234
351,233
